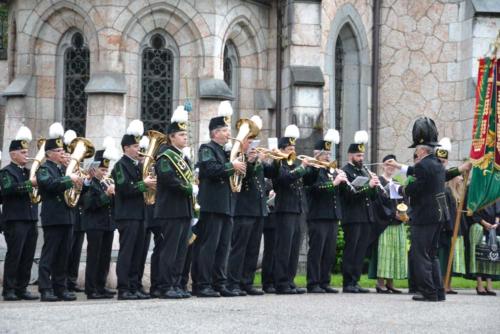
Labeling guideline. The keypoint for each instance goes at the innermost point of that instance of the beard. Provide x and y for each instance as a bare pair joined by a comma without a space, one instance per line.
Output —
358,164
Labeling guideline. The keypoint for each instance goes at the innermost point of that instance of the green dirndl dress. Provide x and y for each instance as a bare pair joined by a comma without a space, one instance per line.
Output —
477,268
392,259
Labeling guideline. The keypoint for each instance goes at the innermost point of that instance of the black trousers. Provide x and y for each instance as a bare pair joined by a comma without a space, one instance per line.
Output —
186,269
211,250
99,246
268,255
173,251
155,270
54,257
21,239
129,256
286,249
424,254
244,253
322,252
357,238
74,258
252,254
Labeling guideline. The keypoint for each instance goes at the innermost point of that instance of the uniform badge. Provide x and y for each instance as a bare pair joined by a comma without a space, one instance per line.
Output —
182,126
227,120
24,144
361,148
328,145
105,163
59,142
292,141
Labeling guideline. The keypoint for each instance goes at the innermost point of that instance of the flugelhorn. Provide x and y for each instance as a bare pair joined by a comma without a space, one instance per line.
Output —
80,148
37,162
318,163
277,155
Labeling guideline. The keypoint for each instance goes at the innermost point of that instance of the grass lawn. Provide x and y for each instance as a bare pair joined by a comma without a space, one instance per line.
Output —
456,282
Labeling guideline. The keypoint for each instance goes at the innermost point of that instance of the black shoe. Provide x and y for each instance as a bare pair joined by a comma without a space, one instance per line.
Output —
26,295
10,296
207,292
66,296
141,294
75,289
225,292
107,291
96,295
183,292
362,290
490,293
382,290
329,289
286,291
350,289
300,291
156,293
391,289
422,298
127,295
171,294
254,292
48,296
315,289
481,293
269,289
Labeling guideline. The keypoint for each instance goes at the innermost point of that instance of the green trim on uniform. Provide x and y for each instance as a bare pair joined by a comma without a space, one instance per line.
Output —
228,168
328,186
188,189
120,178
66,180
6,181
28,186
141,186
453,172
104,199
299,170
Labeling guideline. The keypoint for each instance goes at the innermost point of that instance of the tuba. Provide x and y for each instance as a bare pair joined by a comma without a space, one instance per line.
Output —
246,129
37,162
80,148
156,139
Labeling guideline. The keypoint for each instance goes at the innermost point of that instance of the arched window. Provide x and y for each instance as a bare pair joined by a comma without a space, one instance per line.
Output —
231,77
157,84
76,77
347,117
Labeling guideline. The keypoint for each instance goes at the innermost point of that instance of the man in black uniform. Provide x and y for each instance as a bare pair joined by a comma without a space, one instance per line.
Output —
19,217
287,184
78,231
357,215
174,205
56,219
99,225
324,214
129,213
429,211
250,212
214,228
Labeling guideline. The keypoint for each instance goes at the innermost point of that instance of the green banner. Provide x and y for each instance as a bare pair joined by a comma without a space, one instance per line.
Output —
484,186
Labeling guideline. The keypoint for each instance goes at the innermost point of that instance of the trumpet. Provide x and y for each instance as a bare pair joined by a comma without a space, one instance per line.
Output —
277,155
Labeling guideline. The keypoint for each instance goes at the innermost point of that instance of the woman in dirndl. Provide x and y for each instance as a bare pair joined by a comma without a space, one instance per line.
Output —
389,260
482,270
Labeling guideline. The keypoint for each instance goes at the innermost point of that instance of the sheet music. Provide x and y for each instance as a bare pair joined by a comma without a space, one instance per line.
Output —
360,181
393,190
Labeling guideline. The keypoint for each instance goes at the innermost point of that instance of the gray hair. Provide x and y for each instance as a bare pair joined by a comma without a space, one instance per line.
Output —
428,149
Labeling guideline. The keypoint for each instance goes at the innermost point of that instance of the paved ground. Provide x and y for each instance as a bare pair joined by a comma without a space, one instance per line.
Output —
372,313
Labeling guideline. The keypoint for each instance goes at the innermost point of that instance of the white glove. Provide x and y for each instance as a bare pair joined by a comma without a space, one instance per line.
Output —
196,189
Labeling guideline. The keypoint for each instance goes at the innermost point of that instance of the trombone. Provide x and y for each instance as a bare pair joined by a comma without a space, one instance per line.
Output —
277,155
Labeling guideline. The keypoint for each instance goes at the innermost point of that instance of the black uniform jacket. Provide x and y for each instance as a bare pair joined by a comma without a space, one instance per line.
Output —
252,200
214,171
323,196
174,195
97,208
289,188
357,207
129,188
51,184
16,189
428,201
